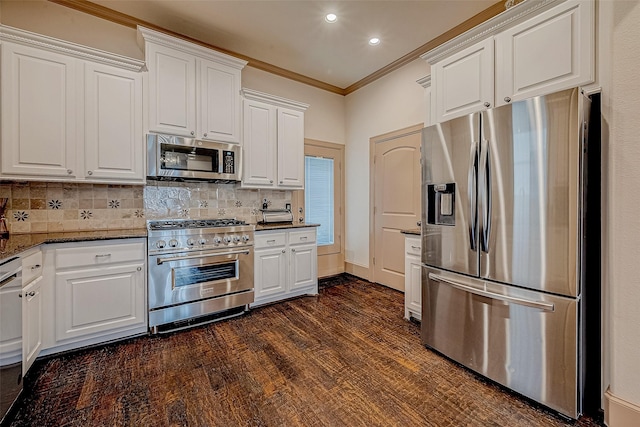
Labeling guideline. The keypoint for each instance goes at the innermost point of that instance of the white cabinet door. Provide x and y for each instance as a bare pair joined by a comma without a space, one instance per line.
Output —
96,301
463,82
259,143
38,112
290,148
303,266
270,272
220,109
172,91
550,52
114,138
31,323
412,279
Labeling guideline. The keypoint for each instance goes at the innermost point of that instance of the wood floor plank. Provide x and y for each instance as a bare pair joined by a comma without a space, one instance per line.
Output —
343,358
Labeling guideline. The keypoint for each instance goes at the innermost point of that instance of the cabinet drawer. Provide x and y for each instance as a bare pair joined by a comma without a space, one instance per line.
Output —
412,246
302,236
31,267
270,240
96,255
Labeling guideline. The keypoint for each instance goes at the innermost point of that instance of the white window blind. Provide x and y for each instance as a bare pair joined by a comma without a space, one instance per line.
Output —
318,196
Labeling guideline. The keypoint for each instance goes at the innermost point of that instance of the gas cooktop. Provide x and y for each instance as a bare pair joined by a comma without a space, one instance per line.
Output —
175,224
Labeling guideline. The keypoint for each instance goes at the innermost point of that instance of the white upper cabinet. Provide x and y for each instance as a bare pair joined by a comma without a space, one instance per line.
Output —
113,124
534,48
550,52
39,112
463,82
273,142
69,112
193,91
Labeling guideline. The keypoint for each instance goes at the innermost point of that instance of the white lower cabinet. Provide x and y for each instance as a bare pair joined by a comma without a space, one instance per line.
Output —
412,278
31,308
285,264
97,293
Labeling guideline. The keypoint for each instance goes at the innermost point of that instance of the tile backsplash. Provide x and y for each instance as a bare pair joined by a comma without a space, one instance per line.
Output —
38,207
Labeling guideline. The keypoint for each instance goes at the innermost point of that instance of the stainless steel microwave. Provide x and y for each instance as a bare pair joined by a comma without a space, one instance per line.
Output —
175,158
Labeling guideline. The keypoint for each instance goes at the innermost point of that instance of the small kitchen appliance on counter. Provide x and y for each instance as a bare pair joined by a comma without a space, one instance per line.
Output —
199,270
274,216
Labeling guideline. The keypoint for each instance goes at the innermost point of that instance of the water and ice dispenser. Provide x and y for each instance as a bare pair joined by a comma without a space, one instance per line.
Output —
441,204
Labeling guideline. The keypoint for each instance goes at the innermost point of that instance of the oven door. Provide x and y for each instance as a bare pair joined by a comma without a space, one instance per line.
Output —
192,276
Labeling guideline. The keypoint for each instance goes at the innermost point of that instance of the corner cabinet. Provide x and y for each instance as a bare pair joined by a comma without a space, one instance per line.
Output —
193,91
69,112
97,293
528,50
273,142
285,264
412,278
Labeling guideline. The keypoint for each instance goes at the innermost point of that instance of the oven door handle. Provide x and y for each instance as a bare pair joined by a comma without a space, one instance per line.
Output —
207,255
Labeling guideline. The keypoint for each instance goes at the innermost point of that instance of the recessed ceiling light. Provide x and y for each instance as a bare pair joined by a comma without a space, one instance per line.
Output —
331,18
374,41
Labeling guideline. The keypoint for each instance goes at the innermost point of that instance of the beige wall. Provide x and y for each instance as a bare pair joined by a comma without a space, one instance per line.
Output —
394,102
618,68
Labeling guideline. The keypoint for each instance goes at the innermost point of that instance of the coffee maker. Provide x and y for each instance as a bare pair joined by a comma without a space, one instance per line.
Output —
4,227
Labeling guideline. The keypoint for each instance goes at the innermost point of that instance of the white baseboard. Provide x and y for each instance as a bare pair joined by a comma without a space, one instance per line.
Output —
620,413
357,270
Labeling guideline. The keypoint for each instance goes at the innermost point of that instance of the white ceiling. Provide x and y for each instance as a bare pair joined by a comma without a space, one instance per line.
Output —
294,35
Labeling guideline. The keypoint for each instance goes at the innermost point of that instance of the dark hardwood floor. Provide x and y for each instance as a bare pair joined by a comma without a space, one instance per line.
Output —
343,358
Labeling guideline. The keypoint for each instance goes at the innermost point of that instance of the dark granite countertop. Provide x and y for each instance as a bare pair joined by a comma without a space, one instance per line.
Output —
284,225
17,243
415,231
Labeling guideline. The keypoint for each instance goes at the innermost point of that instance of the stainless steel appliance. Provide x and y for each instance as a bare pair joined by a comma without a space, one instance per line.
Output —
503,238
10,333
274,216
174,158
198,268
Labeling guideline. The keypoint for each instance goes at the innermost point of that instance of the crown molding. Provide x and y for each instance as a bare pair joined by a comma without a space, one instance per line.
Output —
51,44
488,28
273,99
146,35
425,81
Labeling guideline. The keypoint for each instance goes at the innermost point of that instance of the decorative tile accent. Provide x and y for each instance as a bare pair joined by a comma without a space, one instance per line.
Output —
238,204
139,213
55,204
114,204
222,212
204,203
21,215
184,213
86,214
255,211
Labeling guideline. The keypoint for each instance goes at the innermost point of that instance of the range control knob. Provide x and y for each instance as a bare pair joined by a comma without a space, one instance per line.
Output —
236,239
173,243
216,241
191,242
245,238
202,241
161,244
227,240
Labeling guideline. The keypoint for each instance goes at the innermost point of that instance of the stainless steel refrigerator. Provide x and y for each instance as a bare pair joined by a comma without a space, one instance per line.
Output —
503,244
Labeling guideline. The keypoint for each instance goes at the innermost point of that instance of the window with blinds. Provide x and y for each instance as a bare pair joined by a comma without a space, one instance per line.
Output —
318,196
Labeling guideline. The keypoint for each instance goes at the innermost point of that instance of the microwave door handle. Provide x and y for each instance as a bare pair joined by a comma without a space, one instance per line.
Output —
208,255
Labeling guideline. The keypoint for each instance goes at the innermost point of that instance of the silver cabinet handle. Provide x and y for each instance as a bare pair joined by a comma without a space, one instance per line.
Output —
139,268
270,181
20,295
31,294
487,104
417,248
293,250
280,182
507,99
69,171
541,305
205,135
192,133
103,255
283,251
419,223
271,241
303,238
36,266
89,172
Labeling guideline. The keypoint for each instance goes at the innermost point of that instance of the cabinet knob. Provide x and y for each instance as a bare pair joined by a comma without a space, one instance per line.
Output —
270,181
293,250
89,172
69,171
35,266
487,104
507,99
280,182
283,251
19,294
139,268
205,135
192,133
419,223
32,293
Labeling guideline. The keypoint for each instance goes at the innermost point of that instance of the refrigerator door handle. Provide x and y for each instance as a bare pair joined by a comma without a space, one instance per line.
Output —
472,192
541,305
485,232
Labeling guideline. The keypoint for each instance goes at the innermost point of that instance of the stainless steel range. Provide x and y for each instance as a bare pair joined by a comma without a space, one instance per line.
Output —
199,270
